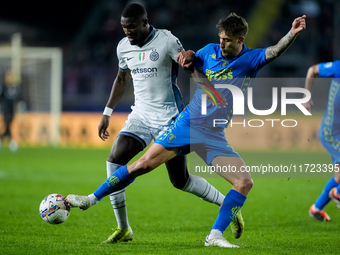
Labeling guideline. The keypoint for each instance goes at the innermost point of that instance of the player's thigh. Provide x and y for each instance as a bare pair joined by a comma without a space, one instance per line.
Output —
134,136
178,171
155,156
124,149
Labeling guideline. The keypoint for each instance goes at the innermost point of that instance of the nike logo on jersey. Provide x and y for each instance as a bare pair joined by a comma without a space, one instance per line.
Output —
129,59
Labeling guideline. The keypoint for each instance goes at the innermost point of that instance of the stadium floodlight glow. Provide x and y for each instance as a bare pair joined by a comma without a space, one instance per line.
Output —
238,100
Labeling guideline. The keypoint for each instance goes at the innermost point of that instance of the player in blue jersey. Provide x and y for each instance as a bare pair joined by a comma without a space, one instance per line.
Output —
230,61
329,134
148,55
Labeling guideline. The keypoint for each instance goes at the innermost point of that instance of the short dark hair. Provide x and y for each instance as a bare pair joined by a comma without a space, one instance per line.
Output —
233,25
134,11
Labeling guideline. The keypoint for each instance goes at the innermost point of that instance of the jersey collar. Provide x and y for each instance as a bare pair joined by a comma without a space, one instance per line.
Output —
149,37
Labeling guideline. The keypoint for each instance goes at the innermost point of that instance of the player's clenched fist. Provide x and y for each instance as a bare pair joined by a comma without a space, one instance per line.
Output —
186,58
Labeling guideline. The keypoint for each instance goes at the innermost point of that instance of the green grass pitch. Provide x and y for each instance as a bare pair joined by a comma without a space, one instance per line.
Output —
164,220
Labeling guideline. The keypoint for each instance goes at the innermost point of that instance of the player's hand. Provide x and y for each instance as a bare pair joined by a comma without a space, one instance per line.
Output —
102,128
308,105
299,24
186,58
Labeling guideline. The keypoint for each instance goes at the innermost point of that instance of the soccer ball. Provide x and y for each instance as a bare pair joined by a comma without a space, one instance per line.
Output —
54,209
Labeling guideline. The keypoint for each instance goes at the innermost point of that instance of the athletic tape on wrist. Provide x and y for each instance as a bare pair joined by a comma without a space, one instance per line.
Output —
107,111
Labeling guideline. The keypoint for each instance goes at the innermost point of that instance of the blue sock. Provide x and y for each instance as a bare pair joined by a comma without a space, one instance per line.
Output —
232,203
323,198
117,181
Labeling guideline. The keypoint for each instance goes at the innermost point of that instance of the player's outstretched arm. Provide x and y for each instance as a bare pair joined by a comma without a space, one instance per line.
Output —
277,50
312,72
118,88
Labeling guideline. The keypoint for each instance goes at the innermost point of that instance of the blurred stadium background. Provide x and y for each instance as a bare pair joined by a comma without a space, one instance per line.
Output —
67,61
72,44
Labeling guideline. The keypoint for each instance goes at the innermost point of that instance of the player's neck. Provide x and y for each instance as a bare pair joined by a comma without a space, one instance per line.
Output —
240,49
148,30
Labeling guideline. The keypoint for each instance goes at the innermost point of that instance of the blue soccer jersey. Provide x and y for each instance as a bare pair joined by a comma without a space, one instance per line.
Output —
193,131
238,71
329,132
330,69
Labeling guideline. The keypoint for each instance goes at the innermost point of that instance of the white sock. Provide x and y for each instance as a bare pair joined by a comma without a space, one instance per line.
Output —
214,232
93,199
315,208
118,199
203,189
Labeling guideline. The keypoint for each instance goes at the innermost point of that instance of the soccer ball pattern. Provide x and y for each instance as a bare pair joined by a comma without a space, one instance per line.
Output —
54,209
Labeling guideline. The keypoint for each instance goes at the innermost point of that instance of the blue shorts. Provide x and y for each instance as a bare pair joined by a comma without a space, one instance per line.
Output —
207,143
330,142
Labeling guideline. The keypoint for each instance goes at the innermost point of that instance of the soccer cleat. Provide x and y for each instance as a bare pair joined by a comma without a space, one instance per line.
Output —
318,215
237,225
219,241
120,235
83,202
335,197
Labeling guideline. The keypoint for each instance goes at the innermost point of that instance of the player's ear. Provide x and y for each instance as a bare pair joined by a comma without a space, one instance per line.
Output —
241,39
145,22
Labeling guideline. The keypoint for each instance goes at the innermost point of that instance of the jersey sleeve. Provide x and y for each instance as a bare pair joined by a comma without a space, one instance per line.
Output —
199,57
258,58
330,69
174,46
121,61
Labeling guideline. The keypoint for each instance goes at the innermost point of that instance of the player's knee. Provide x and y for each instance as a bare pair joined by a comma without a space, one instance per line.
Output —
119,159
243,185
114,159
249,184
